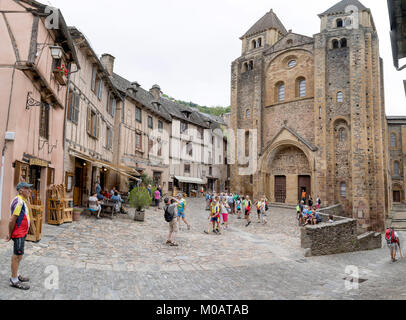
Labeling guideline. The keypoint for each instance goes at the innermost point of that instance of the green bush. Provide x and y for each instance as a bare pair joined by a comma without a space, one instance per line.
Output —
140,199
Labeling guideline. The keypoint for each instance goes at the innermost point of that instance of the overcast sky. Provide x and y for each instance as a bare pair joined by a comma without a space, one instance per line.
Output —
187,46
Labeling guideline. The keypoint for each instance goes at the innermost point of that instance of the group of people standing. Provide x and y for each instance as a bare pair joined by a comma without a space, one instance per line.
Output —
223,204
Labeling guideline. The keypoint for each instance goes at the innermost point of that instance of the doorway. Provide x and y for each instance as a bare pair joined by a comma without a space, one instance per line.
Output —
280,189
396,196
305,184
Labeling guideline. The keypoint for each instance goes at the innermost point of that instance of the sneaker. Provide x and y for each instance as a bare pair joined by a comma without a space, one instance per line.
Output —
174,245
206,232
248,224
168,242
22,279
19,285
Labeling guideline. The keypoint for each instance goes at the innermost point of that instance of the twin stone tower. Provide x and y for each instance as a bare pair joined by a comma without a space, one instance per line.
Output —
311,113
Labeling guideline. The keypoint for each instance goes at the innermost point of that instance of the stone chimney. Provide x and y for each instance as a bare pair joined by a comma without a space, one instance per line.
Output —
156,92
107,60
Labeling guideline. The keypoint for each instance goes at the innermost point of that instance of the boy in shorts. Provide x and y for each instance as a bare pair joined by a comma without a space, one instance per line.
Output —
248,206
181,210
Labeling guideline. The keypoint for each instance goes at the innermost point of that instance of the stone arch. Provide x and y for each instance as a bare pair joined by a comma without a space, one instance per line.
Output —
290,159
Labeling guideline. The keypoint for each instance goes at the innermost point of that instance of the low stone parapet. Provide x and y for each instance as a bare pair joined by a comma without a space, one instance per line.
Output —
338,237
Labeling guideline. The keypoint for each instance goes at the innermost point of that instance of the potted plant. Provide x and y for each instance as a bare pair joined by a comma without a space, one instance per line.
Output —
76,213
140,199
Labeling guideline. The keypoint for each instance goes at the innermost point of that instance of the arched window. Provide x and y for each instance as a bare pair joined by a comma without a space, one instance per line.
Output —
251,65
248,113
280,92
335,44
343,43
396,168
339,23
301,87
254,44
245,67
259,42
393,140
342,135
340,97
343,190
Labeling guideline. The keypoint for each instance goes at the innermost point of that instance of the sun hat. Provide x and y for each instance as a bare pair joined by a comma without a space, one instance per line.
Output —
22,185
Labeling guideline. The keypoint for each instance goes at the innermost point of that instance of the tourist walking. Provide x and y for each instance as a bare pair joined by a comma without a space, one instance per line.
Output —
224,213
181,210
214,217
231,203
157,198
392,240
318,202
17,231
169,215
248,206
238,204
262,211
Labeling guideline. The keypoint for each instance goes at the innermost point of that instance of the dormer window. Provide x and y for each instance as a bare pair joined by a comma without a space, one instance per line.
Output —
186,114
339,23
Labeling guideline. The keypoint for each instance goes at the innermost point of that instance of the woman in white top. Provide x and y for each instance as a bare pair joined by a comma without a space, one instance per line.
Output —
94,205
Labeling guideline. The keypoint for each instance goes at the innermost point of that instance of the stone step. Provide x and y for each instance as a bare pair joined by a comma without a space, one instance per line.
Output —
282,205
399,225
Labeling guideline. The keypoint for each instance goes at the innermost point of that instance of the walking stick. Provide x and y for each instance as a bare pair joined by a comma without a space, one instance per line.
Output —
400,251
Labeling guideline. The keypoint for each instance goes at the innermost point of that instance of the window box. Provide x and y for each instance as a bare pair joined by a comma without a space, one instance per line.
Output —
60,77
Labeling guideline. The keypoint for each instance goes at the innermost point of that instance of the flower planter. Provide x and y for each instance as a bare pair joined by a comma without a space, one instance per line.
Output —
60,77
139,215
76,214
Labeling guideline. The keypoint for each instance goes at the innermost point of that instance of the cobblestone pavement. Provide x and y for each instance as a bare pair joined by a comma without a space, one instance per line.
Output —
124,259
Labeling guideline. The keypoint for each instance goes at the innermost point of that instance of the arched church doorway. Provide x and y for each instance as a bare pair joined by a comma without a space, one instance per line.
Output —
290,172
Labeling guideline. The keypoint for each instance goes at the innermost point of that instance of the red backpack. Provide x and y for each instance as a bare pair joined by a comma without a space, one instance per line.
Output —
390,236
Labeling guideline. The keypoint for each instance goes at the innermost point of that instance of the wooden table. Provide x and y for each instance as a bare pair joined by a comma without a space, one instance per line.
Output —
108,207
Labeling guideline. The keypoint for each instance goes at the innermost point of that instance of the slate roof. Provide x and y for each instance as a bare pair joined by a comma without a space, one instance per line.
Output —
168,109
340,7
268,21
142,96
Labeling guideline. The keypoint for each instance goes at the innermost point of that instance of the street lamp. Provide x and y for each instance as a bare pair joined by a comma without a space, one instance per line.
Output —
56,52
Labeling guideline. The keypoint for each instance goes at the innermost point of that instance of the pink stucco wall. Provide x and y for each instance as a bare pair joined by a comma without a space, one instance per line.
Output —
13,91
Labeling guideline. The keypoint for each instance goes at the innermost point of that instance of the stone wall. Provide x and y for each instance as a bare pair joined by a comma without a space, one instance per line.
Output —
338,237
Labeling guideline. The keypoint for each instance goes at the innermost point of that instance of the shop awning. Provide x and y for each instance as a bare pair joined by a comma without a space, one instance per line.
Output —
125,171
127,174
190,180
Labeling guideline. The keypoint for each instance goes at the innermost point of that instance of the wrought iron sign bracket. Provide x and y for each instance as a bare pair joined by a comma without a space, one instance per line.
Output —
31,102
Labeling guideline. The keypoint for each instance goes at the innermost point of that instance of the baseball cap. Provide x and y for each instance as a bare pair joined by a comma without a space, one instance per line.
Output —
22,185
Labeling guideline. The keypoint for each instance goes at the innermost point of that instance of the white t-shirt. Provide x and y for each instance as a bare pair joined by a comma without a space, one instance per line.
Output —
94,204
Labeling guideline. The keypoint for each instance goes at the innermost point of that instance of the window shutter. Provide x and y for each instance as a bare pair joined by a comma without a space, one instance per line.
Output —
77,105
113,107
89,121
97,126
17,173
94,72
100,90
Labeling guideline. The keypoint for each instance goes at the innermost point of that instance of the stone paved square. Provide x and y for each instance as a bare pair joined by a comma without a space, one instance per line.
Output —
124,259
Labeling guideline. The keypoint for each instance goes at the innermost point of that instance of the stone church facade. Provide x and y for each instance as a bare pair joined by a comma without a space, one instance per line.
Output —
317,104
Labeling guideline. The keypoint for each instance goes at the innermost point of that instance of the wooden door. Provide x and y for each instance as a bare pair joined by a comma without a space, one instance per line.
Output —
396,196
306,185
280,189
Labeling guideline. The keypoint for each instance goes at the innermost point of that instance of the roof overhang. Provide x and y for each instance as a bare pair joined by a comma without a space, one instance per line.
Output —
397,16
190,180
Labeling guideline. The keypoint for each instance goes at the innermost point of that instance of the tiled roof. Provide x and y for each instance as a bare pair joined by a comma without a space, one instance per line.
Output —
340,7
268,21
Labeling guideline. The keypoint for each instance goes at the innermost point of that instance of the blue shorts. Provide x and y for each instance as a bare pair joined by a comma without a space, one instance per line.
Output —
181,214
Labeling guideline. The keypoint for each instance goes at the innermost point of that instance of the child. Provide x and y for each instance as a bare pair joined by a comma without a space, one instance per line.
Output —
331,219
224,212
248,207
238,204
262,211
214,216
299,214
258,205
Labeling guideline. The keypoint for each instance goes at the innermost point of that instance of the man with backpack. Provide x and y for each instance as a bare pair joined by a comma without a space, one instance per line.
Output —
392,239
169,216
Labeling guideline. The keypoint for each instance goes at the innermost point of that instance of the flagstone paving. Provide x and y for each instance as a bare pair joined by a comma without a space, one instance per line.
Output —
124,259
